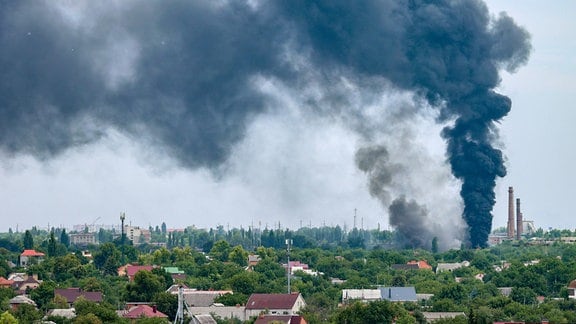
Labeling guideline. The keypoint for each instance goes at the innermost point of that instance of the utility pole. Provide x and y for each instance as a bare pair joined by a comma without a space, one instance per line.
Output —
288,243
180,313
122,218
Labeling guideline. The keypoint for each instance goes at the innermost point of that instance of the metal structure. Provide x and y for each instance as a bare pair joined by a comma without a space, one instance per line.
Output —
181,304
288,244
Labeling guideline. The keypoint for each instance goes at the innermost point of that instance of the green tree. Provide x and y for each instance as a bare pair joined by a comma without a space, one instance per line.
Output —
399,280
144,287
28,240
88,318
374,312
435,244
244,282
239,256
167,303
52,244
27,313
220,251
64,238
7,318
103,311
107,259
44,294
523,295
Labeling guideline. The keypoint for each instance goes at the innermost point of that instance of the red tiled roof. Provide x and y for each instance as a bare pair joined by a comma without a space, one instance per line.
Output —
289,319
71,294
271,301
132,269
32,253
5,282
144,311
422,264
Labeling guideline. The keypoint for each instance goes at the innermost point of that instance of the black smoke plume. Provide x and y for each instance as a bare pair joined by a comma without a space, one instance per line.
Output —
411,221
180,74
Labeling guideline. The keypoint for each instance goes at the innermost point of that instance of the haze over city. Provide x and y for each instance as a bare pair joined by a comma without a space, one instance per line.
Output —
106,128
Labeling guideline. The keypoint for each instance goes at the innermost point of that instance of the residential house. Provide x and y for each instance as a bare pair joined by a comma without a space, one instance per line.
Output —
505,291
143,311
175,273
399,294
72,294
441,267
19,300
394,294
131,270
253,260
434,316
277,319
203,319
572,290
422,264
23,282
274,304
299,266
29,257
201,298
68,313
365,295
5,283
219,310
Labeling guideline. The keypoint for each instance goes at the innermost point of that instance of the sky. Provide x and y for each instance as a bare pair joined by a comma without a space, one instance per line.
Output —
293,160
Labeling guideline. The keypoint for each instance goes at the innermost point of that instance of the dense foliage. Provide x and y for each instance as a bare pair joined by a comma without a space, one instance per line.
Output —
216,259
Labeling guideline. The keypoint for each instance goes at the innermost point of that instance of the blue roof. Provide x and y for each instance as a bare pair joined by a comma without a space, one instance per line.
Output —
398,294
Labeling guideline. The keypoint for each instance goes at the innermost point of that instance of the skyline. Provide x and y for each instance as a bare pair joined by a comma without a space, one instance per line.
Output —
294,166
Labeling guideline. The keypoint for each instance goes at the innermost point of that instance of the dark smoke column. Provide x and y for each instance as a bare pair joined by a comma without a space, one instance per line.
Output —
477,164
448,52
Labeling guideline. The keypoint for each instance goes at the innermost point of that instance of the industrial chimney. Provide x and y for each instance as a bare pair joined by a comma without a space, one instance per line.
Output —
518,220
510,212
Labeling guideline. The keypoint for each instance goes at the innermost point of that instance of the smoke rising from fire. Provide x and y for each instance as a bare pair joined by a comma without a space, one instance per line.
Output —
185,77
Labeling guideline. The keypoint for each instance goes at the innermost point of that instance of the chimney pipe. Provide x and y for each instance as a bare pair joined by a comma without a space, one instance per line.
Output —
519,220
510,213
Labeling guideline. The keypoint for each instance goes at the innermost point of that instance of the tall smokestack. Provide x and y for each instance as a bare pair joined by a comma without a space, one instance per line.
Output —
518,220
510,212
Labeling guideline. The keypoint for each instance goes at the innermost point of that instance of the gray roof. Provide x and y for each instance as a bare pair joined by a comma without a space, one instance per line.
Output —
21,299
63,312
202,298
398,294
431,316
203,319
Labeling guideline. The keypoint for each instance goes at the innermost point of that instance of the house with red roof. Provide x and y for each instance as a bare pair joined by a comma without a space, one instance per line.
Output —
274,304
140,311
31,257
72,294
131,270
422,264
285,319
5,283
